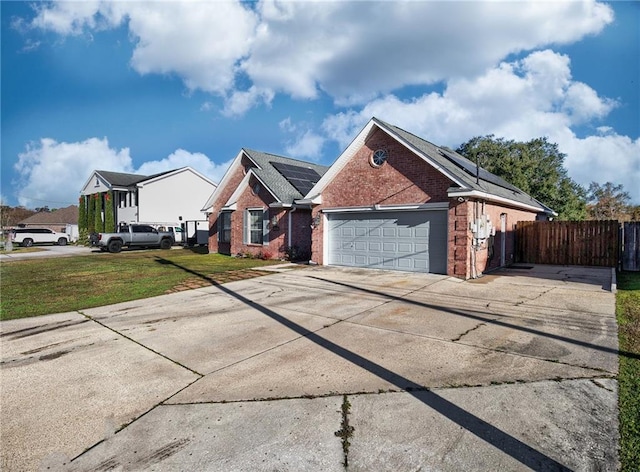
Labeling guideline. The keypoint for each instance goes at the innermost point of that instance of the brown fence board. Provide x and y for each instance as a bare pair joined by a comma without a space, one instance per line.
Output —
588,243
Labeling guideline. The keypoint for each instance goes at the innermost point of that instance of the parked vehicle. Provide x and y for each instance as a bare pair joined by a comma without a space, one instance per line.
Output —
174,228
133,236
197,233
27,237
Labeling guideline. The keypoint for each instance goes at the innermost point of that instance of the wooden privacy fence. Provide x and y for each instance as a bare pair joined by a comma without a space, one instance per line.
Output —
587,243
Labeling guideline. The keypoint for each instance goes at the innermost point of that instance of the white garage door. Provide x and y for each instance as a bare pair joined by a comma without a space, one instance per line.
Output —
413,241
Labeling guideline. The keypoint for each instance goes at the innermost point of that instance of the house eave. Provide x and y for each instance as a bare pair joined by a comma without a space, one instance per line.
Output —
407,207
316,200
493,198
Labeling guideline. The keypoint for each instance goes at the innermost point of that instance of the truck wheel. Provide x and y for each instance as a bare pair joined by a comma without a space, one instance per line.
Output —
62,242
27,242
115,246
165,244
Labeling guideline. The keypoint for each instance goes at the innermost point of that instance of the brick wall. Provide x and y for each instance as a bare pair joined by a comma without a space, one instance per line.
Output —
484,262
488,253
459,238
403,179
278,240
225,193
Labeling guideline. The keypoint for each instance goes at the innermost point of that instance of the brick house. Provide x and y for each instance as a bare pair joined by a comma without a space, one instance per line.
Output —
63,220
395,201
253,209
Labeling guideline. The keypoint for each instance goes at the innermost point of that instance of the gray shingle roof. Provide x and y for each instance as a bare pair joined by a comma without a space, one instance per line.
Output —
120,179
283,190
62,216
455,163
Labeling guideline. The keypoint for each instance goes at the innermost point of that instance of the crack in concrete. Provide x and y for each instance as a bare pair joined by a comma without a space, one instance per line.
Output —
90,318
346,431
468,331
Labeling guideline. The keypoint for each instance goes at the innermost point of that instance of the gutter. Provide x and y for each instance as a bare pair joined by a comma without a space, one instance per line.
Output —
494,198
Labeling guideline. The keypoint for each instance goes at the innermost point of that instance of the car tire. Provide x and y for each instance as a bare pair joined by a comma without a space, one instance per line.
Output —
62,242
115,246
165,244
27,242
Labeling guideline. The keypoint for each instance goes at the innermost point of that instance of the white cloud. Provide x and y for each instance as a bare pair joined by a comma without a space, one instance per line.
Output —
52,173
182,158
353,51
306,144
239,102
520,100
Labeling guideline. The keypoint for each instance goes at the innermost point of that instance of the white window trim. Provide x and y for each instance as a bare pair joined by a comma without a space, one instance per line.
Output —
246,233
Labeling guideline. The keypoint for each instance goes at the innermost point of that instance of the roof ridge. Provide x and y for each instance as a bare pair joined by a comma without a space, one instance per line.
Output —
283,157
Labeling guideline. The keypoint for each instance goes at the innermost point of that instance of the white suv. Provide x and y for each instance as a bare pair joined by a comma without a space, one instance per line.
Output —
29,236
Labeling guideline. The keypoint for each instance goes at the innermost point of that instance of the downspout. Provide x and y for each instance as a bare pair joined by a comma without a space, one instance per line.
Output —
289,226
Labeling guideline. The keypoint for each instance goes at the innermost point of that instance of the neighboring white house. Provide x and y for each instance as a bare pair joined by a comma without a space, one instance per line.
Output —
168,197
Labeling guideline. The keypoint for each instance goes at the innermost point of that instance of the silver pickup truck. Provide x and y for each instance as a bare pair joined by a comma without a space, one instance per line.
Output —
133,236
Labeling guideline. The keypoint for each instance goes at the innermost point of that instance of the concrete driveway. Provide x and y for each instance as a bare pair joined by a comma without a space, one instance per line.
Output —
323,369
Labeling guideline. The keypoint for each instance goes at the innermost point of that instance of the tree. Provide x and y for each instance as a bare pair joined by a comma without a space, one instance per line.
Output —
109,218
91,214
608,202
11,216
536,167
99,224
82,219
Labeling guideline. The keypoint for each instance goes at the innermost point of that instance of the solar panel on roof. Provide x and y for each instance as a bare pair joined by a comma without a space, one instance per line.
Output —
302,178
470,168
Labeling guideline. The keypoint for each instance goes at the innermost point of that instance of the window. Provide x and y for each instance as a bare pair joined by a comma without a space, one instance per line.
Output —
254,228
224,227
143,229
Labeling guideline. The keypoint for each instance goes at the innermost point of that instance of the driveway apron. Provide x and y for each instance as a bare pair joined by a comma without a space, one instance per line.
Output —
323,369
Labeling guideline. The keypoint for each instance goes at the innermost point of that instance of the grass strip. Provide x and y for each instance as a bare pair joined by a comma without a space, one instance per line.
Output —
62,284
628,314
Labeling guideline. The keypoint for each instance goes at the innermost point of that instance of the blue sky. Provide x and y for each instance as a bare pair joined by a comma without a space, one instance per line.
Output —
151,86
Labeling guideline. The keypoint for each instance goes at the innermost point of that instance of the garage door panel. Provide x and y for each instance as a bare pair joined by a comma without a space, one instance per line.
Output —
389,232
404,247
422,266
405,263
390,247
409,240
404,233
421,232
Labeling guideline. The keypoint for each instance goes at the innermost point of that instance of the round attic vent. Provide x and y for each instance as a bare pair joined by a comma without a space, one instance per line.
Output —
379,157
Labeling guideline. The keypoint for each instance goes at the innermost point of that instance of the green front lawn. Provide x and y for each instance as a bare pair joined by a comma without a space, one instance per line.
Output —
61,284
628,313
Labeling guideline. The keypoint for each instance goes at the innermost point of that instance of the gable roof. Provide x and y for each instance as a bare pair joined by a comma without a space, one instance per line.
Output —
120,179
280,186
62,216
163,175
457,168
265,169
124,180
